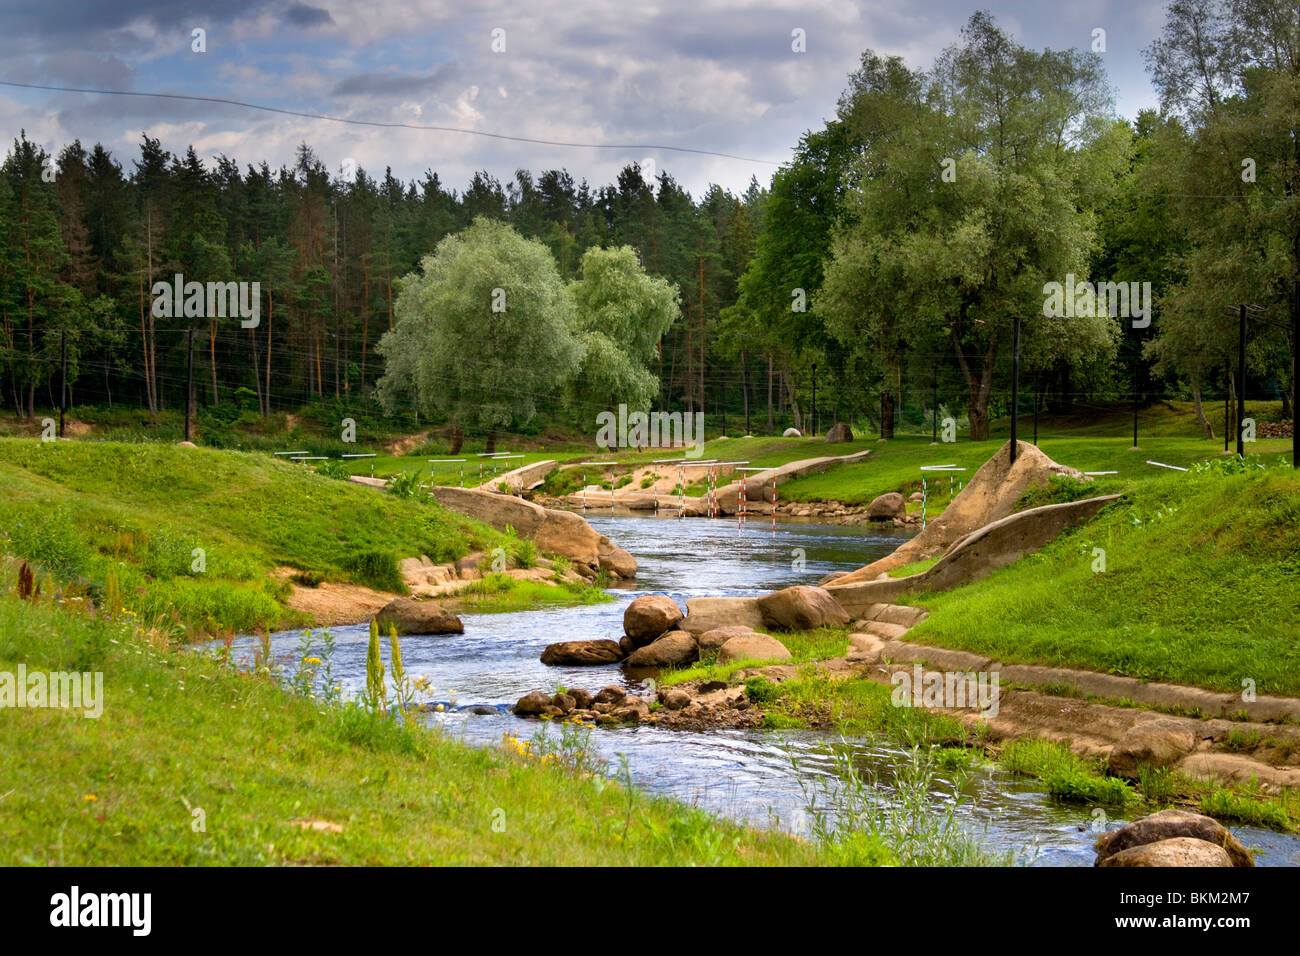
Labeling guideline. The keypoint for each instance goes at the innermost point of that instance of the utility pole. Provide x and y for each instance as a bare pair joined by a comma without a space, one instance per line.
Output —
189,378
1241,378
63,377
1015,386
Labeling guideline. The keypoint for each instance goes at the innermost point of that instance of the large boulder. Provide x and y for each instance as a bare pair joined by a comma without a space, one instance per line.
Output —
560,532
418,617
706,613
758,647
582,653
801,608
1165,826
711,641
1159,742
887,506
792,433
1176,851
614,560
671,650
649,616
840,432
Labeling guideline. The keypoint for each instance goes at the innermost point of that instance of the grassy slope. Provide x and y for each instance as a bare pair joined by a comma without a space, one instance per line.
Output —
85,509
1201,586
179,731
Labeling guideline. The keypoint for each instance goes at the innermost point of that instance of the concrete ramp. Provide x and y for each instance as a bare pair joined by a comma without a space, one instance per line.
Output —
975,556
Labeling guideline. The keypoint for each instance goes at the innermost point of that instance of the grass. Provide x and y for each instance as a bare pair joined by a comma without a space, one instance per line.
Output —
192,534
1166,433
193,763
1066,776
1201,586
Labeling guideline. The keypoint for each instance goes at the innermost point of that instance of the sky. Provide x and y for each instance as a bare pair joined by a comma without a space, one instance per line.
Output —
626,80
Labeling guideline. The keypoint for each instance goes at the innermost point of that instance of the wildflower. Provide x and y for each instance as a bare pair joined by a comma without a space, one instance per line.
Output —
90,798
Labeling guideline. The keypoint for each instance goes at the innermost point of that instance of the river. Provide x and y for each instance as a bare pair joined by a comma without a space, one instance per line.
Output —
759,776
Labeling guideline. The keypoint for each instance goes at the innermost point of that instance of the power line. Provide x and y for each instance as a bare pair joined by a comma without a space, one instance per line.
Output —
384,125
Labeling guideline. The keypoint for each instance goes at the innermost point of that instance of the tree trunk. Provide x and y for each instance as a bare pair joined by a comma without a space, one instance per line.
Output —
886,413
744,384
457,439
491,440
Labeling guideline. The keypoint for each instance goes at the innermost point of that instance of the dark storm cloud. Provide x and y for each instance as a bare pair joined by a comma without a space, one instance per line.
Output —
397,84
301,15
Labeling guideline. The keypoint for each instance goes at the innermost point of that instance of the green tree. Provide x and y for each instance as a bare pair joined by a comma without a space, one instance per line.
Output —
482,332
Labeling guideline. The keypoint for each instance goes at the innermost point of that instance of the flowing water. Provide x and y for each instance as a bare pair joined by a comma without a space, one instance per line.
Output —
763,777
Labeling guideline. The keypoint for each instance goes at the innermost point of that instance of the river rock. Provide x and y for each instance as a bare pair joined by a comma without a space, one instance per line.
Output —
581,698
564,702
1167,825
1159,742
418,617
612,694
532,703
1176,851
758,647
887,506
632,710
711,641
649,616
671,650
614,560
582,653
704,614
674,698
801,608
839,432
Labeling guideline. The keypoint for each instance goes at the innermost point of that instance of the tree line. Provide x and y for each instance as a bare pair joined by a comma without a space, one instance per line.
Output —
878,277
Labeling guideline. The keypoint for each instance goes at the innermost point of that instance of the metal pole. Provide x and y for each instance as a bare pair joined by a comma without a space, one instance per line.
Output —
1241,376
189,378
63,377
1015,385
1295,366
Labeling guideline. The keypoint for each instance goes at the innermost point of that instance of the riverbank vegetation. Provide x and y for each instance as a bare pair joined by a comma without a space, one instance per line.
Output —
193,536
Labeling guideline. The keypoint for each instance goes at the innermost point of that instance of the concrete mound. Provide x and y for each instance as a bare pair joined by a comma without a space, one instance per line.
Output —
989,496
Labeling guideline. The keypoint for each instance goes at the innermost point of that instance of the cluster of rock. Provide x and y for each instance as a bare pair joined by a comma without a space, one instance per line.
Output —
694,705
656,634
610,705
1172,838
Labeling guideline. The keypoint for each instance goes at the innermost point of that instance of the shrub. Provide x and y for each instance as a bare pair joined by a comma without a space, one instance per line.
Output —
376,569
1058,490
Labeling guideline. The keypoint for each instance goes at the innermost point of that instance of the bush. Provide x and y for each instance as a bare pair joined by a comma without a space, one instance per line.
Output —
376,569
46,537
333,468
